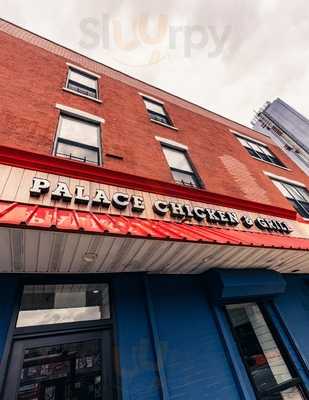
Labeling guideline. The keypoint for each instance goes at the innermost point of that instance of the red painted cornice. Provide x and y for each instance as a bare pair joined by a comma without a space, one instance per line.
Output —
74,169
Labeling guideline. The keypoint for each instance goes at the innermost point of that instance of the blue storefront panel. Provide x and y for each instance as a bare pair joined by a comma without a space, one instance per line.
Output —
172,338
8,298
194,358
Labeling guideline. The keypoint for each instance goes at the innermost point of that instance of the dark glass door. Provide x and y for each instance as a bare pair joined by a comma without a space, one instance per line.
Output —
68,367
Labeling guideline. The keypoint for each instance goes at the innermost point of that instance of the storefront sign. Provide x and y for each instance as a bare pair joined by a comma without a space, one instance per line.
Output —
180,211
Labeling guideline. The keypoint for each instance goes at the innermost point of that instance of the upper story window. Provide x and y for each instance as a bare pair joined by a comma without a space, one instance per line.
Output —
157,112
265,359
260,151
181,167
298,196
78,139
82,82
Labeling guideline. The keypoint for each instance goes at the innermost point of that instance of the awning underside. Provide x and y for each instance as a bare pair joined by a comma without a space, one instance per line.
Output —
59,239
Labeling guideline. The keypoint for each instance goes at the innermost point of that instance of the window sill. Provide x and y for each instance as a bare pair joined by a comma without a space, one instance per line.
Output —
81,95
188,186
162,124
269,163
78,161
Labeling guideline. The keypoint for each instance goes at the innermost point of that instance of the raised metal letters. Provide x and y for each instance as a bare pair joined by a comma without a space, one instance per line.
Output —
176,210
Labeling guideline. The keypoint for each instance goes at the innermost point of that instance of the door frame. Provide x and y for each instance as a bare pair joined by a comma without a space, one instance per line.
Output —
19,346
16,334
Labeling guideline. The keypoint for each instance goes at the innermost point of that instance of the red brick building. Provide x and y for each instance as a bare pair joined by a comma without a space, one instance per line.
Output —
101,173
37,71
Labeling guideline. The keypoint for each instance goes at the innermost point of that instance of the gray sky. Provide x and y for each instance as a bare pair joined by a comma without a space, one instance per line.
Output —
229,56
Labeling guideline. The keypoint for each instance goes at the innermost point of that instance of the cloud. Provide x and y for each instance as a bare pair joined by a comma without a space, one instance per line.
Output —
263,57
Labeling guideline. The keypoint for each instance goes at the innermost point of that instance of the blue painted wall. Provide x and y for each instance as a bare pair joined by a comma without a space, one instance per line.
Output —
138,371
293,308
194,360
195,363
8,297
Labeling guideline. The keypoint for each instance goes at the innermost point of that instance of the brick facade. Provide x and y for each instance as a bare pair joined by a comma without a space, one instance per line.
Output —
33,72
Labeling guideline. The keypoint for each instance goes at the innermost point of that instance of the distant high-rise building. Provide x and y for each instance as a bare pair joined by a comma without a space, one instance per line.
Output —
288,128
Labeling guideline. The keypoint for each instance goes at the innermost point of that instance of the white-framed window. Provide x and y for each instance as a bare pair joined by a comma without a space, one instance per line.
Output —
78,139
157,111
297,195
181,166
82,82
260,151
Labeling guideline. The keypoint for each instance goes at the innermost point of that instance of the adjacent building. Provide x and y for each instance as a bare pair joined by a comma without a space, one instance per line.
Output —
150,249
288,128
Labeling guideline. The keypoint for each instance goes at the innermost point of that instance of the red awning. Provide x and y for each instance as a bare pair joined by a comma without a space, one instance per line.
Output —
53,218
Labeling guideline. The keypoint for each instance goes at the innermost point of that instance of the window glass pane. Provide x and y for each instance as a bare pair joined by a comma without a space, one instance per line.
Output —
160,118
82,89
253,153
83,79
55,304
79,131
301,207
260,352
301,192
282,189
264,157
256,147
77,152
294,192
304,193
259,151
276,161
158,108
177,159
267,155
266,151
184,178
305,209
70,371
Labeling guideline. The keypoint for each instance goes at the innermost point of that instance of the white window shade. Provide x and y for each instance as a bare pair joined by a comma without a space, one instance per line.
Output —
255,147
282,189
292,192
243,142
79,131
177,159
155,107
266,151
297,193
83,79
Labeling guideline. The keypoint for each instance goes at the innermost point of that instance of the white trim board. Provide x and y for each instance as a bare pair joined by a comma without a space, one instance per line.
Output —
81,94
79,113
86,71
151,98
283,179
171,143
250,138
